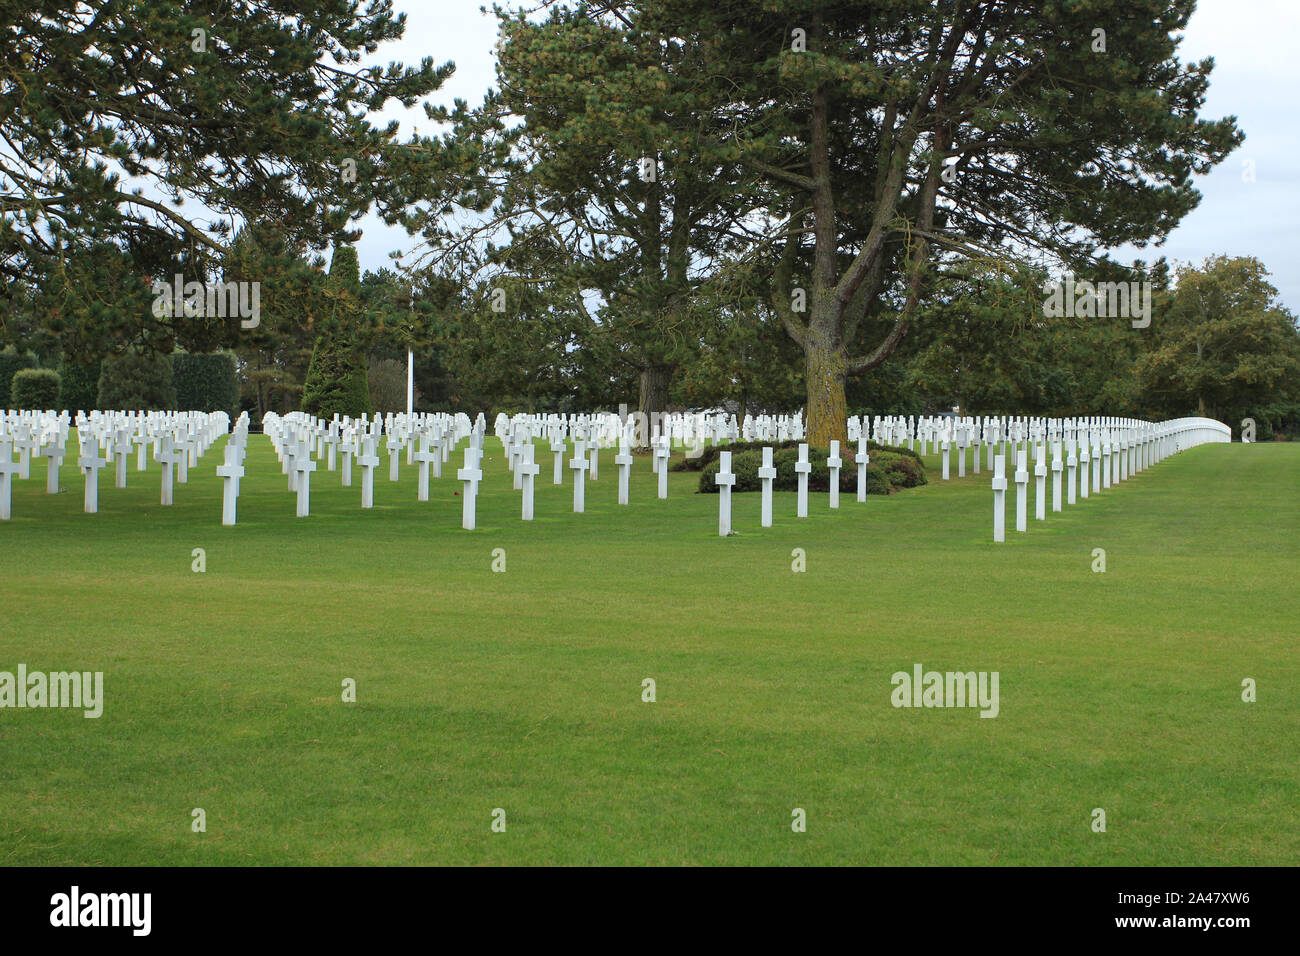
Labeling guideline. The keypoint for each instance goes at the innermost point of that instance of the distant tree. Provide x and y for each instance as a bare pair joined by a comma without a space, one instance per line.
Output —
387,378
900,138
127,126
35,388
336,378
134,382
1222,346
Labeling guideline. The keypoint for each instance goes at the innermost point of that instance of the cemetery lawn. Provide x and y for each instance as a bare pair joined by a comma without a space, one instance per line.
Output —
523,690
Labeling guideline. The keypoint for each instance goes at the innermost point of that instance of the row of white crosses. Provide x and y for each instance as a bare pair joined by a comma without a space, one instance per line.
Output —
726,480
945,433
437,435
1116,449
298,438
104,438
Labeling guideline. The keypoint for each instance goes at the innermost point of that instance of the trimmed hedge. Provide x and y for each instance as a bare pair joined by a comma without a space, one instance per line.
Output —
80,388
206,383
11,362
337,382
711,453
887,471
137,382
36,389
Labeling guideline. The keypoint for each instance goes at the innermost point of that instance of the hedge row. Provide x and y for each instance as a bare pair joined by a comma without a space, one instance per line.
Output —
887,471
206,383
12,362
711,453
35,388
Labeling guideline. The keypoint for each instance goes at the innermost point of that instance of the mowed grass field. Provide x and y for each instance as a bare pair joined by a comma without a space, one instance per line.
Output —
522,690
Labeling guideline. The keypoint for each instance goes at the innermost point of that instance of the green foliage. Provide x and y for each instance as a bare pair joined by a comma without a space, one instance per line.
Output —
887,471
35,388
336,381
710,453
274,356
206,383
136,382
82,129
80,384
388,386
11,362
1222,346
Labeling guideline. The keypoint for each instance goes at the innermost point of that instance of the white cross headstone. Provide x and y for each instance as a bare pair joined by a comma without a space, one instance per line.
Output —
121,448
1022,485
662,453
1084,460
304,466
802,468
471,475
1071,474
834,463
24,442
1040,483
168,457
767,474
999,497
8,468
579,464
348,449
624,461
557,449
1056,476
369,461
863,459
425,457
724,479
183,449
54,452
394,456
90,463
528,470
230,472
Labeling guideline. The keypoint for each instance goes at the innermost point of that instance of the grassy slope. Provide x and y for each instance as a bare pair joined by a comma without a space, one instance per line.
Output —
522,690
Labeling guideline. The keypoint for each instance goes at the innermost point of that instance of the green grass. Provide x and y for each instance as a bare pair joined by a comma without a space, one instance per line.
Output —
522,690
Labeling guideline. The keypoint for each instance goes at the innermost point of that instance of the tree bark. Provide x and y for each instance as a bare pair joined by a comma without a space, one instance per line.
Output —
653,397
825,370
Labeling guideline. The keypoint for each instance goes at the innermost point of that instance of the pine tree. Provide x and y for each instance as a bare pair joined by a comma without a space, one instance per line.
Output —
337,379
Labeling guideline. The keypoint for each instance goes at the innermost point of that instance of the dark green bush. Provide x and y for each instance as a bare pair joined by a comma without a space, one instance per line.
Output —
11,362
710,453
887,471
80,388
35,388
137,382
337,382
206,383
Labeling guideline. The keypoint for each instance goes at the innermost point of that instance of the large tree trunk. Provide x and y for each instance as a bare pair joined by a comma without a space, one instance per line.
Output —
825,368
653,397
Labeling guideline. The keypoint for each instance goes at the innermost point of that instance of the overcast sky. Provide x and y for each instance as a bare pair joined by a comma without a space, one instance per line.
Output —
1255,78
